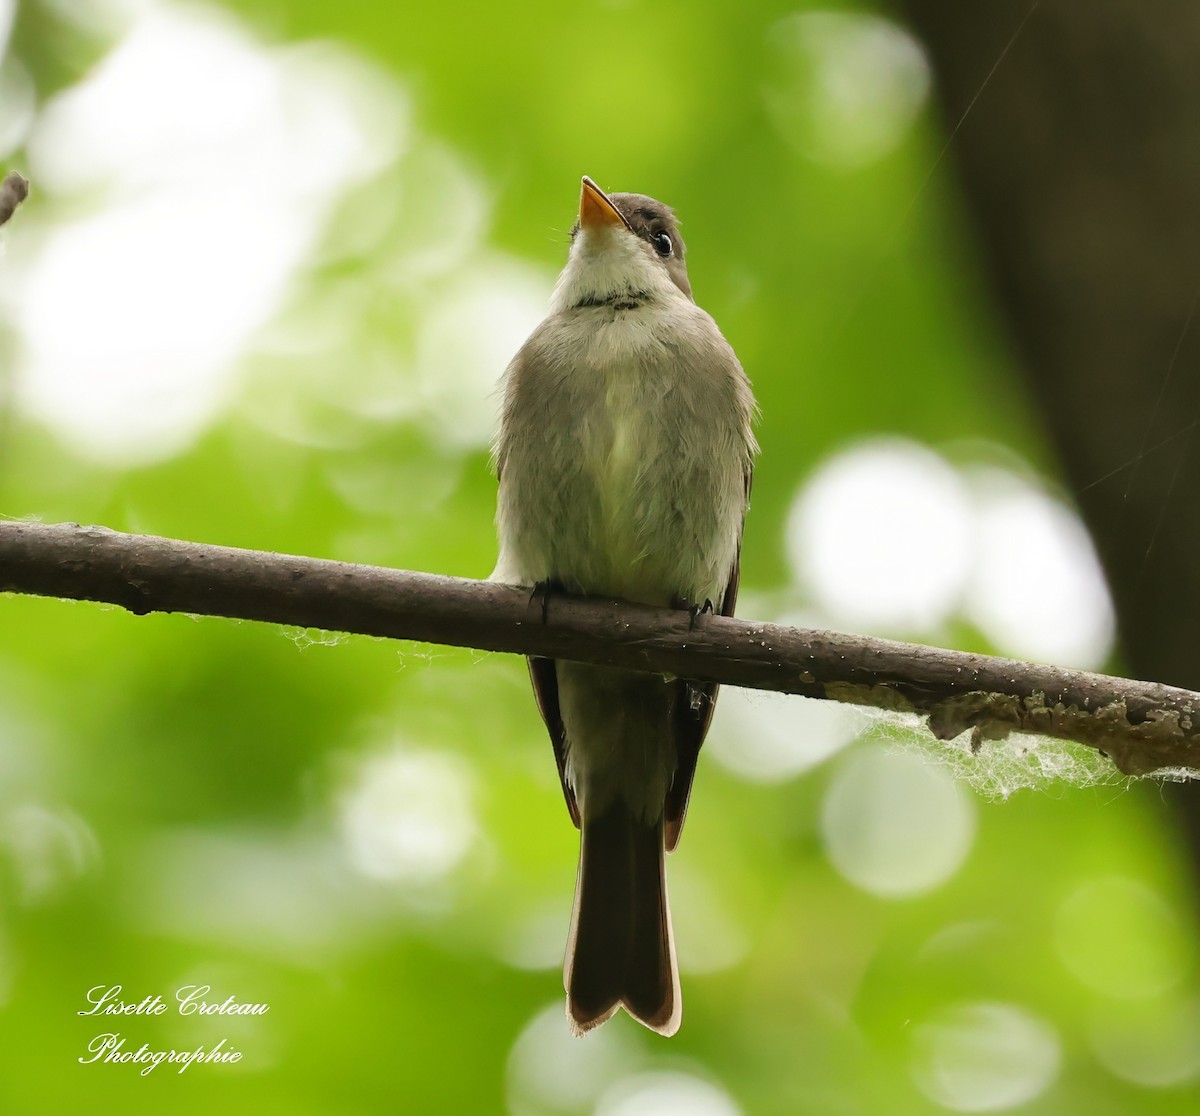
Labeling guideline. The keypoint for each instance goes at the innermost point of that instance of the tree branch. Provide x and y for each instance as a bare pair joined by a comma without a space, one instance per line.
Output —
1143,726
13,190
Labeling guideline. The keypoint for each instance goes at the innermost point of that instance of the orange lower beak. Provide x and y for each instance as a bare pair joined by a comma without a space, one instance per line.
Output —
595,209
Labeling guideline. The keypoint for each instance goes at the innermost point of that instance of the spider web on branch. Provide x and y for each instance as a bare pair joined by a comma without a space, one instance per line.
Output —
996,769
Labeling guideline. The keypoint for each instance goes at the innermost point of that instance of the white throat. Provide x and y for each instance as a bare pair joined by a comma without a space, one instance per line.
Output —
609,262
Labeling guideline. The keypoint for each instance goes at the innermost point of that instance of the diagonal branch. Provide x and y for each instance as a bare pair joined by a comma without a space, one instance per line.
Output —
1143,726
13,190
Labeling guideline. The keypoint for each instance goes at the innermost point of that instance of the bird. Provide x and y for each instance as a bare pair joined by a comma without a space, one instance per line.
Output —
624,460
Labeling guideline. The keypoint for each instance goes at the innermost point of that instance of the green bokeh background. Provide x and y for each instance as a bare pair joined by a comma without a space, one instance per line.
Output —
164,780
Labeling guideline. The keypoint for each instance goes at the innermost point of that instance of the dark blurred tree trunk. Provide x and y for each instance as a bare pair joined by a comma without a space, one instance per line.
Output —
1080,161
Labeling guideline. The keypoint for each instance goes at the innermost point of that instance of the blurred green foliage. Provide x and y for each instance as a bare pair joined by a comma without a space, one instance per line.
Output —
177,796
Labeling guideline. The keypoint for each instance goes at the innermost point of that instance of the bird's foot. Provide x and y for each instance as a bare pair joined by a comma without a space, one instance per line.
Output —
694,611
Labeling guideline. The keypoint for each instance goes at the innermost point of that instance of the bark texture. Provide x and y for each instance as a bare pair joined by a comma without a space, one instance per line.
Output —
1143,726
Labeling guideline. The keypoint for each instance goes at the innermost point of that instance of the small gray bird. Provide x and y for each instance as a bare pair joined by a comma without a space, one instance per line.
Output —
624,459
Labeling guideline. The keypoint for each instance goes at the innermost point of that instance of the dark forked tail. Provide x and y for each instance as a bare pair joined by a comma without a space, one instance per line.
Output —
621,952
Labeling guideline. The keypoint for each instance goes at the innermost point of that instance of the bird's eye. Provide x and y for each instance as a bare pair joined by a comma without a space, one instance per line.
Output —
662,243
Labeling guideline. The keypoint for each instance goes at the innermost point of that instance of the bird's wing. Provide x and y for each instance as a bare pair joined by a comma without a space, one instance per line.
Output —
545,689
542,672
692,713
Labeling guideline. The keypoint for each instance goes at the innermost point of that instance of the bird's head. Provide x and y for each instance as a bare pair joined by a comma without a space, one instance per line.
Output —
624,246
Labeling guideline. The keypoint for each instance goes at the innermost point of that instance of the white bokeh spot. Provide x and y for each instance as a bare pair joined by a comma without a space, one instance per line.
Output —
47,849
895,825
666,1093
131,315
1036,588
552,1071
843,88
17,104
765,737
408,816
985,1057
8,10
881,536
480,321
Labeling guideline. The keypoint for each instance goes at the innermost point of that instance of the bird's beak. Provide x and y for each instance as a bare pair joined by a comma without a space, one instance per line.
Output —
595,210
